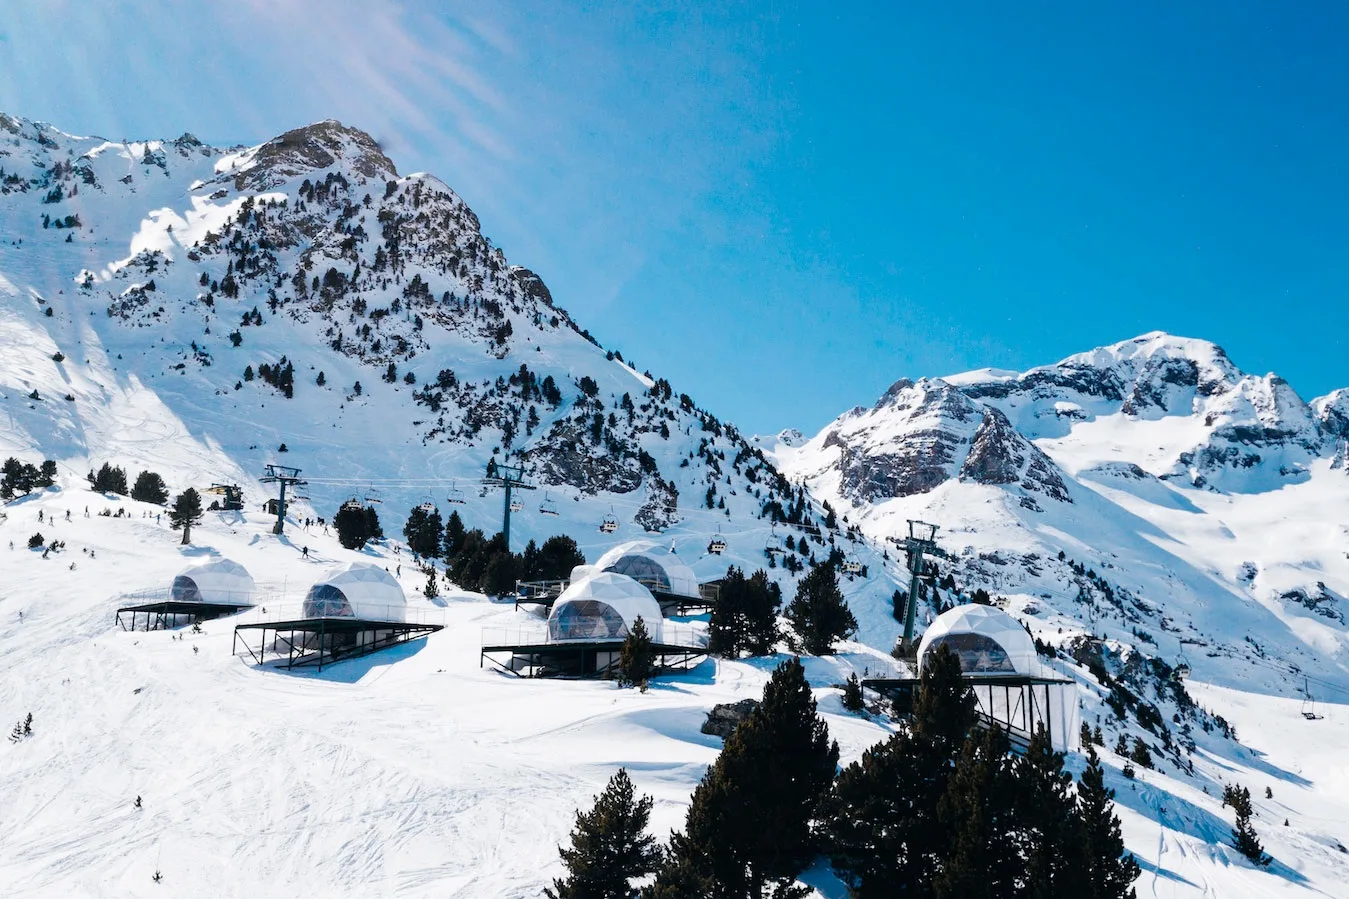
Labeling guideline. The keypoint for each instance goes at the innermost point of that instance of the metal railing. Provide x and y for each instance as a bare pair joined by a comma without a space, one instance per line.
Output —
271,612
671,634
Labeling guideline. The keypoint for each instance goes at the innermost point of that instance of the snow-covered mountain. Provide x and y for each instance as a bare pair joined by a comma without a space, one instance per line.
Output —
302,294
1214,497
202,311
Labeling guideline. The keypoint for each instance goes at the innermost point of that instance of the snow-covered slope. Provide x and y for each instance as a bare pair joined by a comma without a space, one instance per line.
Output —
145,285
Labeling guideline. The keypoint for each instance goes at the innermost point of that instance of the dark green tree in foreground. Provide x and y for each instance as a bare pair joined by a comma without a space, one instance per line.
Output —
1112,870
635,662
609,846
818,614
750,827
186,512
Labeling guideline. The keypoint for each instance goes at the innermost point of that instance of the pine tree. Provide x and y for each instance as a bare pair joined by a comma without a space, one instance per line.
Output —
978,813
609,846
1112,870
749,826
186,512
150,488
852,694
1244,837
454,535
431,590
110,479
422,530
1052,835
635,661
818,614
745,617
352,524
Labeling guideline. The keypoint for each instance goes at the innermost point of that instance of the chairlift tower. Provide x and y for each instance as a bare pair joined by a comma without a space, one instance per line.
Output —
285,476
506,478
922,540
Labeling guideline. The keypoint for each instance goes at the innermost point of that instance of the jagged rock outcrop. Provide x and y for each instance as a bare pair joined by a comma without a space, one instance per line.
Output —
999,455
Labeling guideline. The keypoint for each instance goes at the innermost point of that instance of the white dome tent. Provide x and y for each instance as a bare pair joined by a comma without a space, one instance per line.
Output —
1011,684
357,590
987,640
653,565
219,581
603,606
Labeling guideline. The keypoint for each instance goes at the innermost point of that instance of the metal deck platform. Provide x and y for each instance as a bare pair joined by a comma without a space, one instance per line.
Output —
582,658
164,615
322,641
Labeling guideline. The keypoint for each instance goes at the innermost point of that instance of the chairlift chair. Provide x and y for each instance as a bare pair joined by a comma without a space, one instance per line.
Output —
547,507
852,566
372,495
427,504
774,544
517,505
718,544
1309,703
610,523
456,496
1182,669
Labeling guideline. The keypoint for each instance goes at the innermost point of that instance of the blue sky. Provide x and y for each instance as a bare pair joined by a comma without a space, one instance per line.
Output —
782,208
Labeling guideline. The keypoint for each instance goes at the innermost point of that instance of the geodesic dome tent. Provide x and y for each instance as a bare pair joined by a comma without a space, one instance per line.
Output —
357,590
987,640
220,581
652,565
1010,683
603,606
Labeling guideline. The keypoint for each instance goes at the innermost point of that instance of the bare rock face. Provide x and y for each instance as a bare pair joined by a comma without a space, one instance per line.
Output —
314,148
725,717
910,442
1000,455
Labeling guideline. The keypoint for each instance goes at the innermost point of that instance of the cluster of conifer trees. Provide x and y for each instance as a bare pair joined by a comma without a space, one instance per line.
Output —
475,561
941,809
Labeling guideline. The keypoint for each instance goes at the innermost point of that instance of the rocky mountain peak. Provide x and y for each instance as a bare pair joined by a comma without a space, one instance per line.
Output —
315,147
